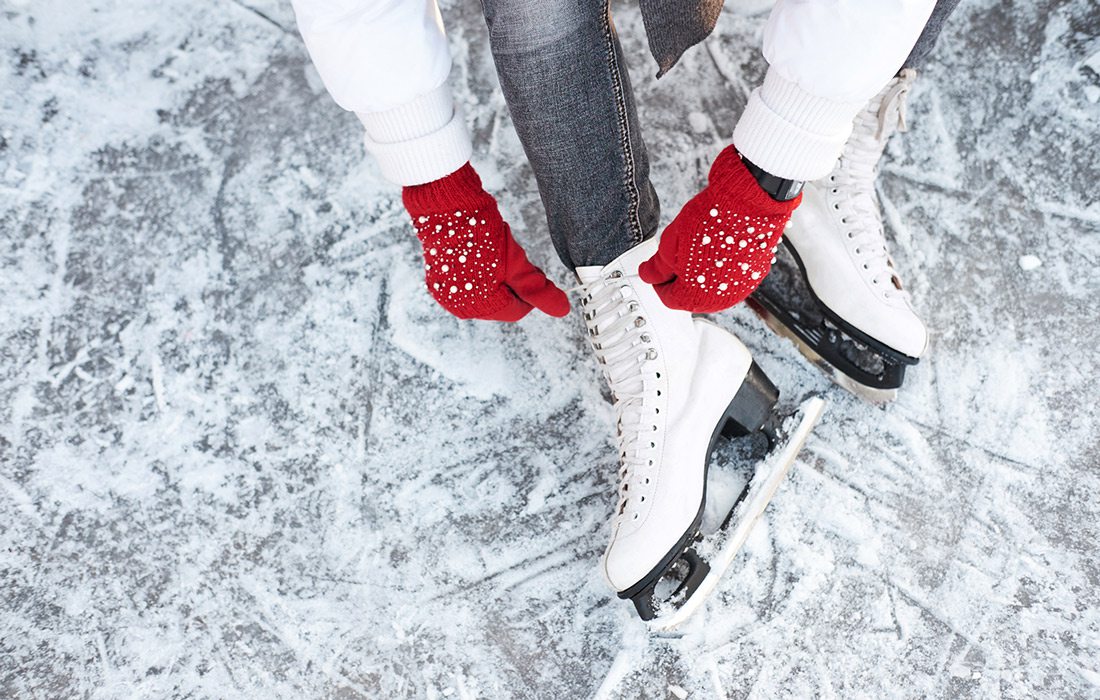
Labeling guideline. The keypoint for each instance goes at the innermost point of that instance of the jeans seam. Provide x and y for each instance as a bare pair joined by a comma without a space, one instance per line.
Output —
631,172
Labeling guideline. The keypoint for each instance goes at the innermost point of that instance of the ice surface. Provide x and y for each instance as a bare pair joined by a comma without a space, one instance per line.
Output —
244,454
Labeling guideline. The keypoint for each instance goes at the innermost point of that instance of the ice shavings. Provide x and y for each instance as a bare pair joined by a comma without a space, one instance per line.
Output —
1029,262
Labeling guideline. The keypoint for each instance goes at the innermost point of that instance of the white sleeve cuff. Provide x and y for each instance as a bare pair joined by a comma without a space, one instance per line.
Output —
792,133
421,141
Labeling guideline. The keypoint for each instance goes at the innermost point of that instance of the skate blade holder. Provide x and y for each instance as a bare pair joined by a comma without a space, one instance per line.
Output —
676,584
875,385
703,575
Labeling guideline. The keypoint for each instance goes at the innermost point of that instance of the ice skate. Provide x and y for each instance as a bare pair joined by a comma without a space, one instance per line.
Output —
835,290
678,383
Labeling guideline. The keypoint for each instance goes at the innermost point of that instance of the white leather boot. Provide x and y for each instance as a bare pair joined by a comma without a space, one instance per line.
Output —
677,382
838,233
837,238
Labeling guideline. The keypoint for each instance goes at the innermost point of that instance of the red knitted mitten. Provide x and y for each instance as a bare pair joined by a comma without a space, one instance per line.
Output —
473,266
722,243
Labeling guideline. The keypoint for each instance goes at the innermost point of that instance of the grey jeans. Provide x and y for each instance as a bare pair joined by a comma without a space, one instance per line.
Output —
562,72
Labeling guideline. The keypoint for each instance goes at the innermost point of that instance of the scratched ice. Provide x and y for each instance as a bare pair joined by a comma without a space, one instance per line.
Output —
243,454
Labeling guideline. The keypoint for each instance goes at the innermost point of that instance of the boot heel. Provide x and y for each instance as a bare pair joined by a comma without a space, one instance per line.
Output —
752,406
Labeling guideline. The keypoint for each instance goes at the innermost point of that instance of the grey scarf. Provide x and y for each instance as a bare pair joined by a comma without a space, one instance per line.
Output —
674,26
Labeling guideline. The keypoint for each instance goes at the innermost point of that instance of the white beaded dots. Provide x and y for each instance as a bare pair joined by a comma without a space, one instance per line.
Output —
462,249
732,254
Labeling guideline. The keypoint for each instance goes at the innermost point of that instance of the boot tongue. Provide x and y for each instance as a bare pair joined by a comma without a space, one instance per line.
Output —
627,262
588,274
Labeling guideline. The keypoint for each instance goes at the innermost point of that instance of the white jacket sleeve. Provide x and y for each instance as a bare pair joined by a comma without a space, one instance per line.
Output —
388,61
826,59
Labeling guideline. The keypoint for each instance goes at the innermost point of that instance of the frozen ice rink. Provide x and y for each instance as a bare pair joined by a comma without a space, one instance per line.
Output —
243,454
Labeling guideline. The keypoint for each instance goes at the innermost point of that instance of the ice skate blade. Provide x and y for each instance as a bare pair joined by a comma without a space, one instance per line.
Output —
870,394
769,475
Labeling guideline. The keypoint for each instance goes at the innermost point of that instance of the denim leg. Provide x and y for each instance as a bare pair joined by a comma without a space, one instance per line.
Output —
563,76
927,40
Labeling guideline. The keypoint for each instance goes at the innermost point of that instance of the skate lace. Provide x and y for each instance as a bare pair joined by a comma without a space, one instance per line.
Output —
853,186
626,353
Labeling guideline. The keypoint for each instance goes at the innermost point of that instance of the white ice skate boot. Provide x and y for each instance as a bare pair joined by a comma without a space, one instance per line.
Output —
677,383
864,328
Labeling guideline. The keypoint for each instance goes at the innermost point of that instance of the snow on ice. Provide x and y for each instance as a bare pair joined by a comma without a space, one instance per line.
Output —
1029,262
243,454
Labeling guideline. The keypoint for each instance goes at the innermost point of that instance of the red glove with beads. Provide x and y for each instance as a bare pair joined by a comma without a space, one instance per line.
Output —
473,266
722,243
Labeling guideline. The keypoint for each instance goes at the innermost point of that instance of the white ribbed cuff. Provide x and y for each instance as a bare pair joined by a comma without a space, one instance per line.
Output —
421,141
424,115
792,133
